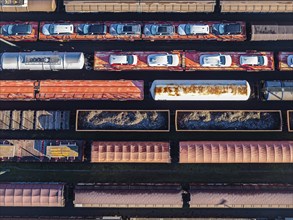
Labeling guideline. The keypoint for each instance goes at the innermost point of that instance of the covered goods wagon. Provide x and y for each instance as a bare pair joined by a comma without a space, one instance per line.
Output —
128,196
42,60
41,150
82,6
242,196
200,90
277,90
17,89
272,31
130,152
27,5
24,194
256,6
236,152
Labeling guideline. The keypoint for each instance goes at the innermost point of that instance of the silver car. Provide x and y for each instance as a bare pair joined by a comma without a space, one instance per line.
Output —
193,29
159,29
58,29
125,29
163,60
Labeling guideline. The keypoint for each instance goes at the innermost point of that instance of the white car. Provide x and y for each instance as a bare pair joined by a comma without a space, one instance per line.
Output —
58,29
253,60
163,60
123,59
193,29
290,60
215,60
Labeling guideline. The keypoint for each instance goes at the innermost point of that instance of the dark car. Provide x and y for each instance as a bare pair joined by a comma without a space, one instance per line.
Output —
226,29
16,29
92,29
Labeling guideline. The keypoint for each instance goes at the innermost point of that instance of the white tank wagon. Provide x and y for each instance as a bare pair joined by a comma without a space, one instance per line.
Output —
42,60
277,90
200,90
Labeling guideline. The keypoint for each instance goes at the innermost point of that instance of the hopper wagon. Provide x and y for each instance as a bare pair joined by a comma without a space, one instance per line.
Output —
32,194
235,152
272,31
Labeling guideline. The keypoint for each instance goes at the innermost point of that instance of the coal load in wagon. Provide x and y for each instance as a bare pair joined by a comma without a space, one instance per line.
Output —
123,120
229,120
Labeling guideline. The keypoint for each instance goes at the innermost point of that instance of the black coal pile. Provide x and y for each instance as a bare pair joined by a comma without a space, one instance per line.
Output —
228,120
122,120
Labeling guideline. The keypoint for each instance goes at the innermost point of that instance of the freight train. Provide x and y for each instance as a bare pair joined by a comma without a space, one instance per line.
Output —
150,31
147,152
160,90
149,6
147,195
147,61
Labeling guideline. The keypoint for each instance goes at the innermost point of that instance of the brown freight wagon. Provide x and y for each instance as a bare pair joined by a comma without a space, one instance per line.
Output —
22,194
27,5
128,196
256,6
130,152
285,61
271,31
236,152
242,196
82,6
115,90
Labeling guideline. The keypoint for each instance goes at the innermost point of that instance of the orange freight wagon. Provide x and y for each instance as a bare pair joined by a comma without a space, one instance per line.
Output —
116,90
17,89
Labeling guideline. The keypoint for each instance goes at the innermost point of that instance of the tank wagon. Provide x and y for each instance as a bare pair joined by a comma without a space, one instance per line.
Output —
200,90
42,60
236,152
148,6
27,5
41,150
19,194
277,90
